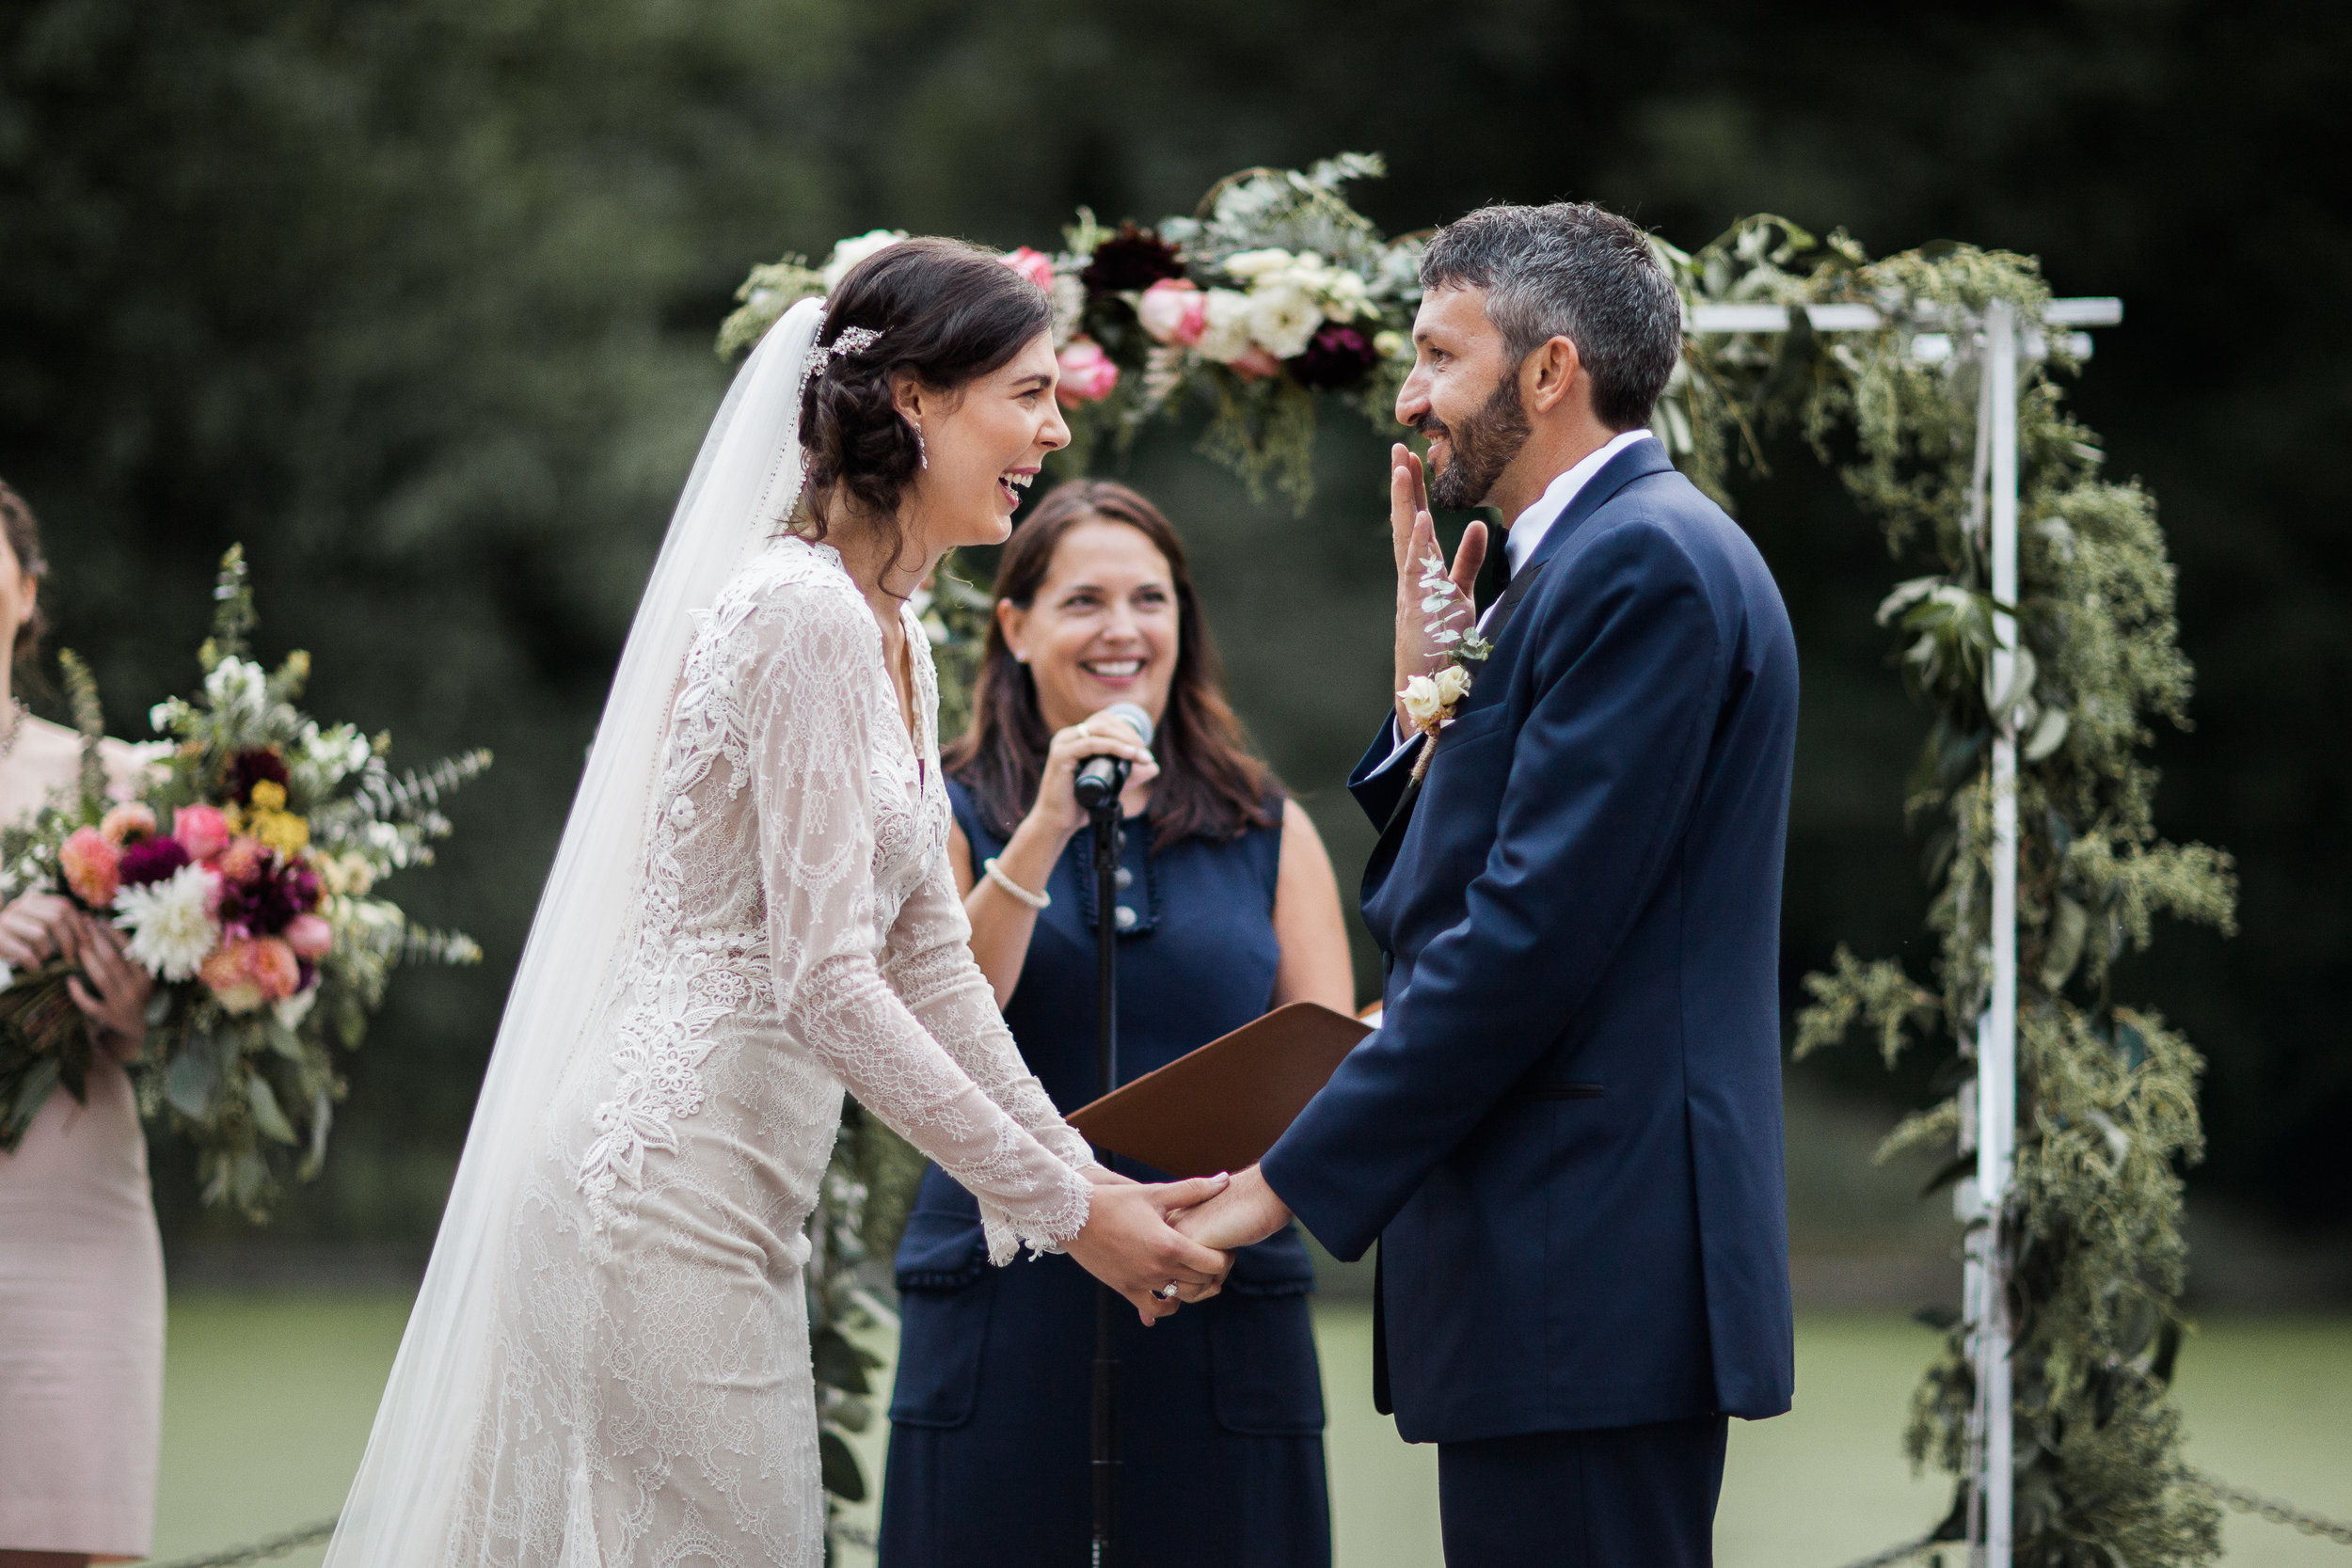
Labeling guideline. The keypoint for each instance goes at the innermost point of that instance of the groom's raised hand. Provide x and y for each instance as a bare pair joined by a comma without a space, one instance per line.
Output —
1415,540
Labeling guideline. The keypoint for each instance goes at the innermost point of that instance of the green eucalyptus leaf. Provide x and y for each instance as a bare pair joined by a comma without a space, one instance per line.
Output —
188,1082
281,1039
262,1100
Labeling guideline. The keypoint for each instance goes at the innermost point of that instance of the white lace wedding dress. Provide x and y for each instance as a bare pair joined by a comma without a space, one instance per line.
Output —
649,1399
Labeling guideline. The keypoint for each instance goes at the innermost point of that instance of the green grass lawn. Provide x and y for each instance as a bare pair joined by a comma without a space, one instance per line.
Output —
267,1401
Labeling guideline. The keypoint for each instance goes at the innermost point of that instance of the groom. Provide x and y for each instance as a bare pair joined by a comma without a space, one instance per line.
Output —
1567,1133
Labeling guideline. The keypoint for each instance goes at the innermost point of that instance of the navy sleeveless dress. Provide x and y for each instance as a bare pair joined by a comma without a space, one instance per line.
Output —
1221,1404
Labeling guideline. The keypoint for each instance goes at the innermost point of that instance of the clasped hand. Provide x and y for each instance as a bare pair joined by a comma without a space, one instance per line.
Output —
1140,1240
1131,1243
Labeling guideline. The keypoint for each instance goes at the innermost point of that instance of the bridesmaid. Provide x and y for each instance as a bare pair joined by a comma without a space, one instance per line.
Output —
81,1267
1229,908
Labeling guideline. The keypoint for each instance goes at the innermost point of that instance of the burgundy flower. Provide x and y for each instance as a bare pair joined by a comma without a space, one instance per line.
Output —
152,860
1132,259
265,904
1337,358
248,768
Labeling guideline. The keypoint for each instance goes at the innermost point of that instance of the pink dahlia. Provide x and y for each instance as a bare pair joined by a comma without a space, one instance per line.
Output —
92,866
126,822
251,971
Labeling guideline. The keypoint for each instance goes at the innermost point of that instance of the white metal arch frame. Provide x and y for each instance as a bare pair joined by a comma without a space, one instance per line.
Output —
1989,1118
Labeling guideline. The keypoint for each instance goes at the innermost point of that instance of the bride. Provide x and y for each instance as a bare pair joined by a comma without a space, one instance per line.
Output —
608,1361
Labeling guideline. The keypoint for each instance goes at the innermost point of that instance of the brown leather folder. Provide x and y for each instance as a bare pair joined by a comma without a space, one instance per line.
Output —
1221,1107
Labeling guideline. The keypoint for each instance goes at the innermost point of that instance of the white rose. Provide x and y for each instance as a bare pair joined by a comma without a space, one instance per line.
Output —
1226,336
1284,318
1421,701
1247,264
1454,684
849,253
1343,295
1392,344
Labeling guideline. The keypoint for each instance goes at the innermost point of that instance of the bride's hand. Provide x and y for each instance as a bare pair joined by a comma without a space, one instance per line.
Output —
1129,1244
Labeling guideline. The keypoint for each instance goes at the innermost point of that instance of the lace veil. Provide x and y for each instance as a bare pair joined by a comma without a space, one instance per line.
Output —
748,474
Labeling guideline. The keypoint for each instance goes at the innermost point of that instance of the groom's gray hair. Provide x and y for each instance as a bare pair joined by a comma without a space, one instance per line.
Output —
1576,270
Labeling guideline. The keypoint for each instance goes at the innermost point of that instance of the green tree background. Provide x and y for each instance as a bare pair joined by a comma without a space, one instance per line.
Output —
415,297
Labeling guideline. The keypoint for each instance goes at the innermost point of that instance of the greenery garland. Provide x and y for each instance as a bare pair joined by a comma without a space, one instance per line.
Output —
2107,1094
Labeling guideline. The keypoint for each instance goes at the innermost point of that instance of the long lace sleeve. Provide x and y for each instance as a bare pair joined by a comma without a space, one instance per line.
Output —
929,964
812,746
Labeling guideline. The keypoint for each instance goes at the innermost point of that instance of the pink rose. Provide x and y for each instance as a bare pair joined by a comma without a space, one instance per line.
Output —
1087,374
201,831
92,868
1254,363
1034,265
117,825
310,936
251,971
1174,311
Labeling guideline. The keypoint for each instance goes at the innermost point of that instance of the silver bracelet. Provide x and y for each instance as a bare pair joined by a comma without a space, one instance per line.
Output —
1035,900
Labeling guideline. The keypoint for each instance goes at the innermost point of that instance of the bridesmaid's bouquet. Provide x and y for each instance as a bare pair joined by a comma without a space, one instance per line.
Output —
243,873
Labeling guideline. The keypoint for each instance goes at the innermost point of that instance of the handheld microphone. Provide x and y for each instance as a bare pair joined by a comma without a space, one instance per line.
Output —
1101,778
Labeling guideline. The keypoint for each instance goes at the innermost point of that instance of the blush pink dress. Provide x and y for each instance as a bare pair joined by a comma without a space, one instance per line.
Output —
81,1324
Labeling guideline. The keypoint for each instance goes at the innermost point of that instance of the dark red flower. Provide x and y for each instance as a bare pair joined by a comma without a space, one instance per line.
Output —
152,860
266,904
1132,259
248,768
1337,358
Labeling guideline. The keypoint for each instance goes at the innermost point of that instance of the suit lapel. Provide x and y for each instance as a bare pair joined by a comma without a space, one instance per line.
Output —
1638,461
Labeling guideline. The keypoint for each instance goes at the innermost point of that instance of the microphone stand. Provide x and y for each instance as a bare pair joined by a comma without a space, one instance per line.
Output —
1104,816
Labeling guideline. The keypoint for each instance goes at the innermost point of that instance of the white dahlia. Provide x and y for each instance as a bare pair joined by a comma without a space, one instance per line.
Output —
171,922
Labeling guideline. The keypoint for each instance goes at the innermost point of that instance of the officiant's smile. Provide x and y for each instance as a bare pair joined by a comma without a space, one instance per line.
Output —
1101,628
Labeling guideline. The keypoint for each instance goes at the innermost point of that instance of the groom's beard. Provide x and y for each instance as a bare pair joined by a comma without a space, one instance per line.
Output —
1483,446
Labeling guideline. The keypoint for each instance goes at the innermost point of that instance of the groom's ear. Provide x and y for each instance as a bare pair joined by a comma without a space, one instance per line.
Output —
1552,372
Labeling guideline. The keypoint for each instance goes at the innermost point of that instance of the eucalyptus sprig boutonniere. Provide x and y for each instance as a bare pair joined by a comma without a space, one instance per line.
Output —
1428,701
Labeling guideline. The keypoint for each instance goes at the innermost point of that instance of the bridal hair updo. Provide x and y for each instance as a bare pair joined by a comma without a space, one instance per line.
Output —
1209,786
945,313
24,537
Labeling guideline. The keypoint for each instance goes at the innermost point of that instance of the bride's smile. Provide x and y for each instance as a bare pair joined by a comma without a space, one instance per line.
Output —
983,445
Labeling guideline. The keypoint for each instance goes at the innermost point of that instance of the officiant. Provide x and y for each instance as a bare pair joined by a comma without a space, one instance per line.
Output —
1227,905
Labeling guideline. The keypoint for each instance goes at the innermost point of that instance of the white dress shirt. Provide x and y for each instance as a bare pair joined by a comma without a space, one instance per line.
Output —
1527,532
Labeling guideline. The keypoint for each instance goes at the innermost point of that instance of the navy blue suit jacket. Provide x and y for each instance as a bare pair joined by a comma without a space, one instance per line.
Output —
1566,1132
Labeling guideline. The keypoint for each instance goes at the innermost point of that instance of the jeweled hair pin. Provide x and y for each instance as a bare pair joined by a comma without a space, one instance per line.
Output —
853,339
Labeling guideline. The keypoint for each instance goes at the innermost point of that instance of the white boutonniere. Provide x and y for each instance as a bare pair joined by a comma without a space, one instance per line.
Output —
1428,701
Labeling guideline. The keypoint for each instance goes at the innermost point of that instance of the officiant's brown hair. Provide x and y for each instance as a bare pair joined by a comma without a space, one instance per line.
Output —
1209,786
